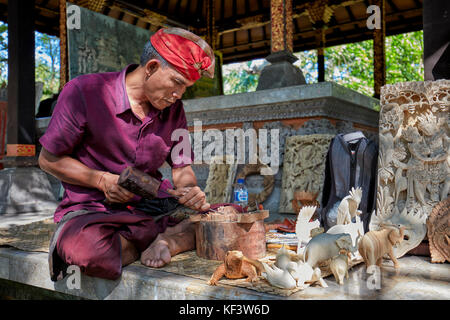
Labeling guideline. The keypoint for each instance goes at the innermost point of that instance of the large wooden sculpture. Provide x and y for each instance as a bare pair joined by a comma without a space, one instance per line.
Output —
414,158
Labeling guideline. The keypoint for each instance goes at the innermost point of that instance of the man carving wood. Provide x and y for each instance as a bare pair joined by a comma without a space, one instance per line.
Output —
105,122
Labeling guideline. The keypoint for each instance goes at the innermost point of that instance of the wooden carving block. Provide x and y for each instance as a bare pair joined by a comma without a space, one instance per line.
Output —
139,183
218,233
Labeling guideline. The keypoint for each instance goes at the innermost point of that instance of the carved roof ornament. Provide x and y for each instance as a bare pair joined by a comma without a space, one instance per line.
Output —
319,12
438,225
93,5
414,158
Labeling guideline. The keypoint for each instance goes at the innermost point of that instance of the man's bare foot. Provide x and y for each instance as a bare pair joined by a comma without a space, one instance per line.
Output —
157,254
164,247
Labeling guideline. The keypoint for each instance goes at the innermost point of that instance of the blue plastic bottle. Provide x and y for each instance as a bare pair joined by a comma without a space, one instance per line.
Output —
241,193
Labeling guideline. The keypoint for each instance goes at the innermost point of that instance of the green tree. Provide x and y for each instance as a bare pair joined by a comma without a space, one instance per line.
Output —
47,63
307,62
351,65
404,57
3,54
241,77
47,60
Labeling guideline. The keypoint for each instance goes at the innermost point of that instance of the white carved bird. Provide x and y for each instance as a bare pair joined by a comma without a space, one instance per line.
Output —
303,226
348,208
305,275
352,228
280,278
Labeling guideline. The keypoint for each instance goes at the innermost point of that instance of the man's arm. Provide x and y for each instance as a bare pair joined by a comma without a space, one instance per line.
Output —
186,188
72,171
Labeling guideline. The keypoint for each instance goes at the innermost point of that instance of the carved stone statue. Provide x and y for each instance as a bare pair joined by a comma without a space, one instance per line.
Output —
303,167
414,157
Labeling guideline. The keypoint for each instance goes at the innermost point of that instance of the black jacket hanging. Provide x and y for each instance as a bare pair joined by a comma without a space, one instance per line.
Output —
345,169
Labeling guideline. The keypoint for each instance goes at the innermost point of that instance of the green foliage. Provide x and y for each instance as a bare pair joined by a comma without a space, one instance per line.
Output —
307,62
350,65
47,63
3,54
404,57
47,60
240,77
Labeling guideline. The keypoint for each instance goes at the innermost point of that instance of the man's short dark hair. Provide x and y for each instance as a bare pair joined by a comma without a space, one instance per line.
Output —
151,53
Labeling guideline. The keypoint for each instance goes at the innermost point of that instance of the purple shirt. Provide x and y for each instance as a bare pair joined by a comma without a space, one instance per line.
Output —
93,123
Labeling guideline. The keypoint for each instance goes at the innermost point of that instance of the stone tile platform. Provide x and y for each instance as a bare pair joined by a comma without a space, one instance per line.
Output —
417,278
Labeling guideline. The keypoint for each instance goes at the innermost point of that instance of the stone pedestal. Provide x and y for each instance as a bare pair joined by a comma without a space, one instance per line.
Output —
25,190
281,72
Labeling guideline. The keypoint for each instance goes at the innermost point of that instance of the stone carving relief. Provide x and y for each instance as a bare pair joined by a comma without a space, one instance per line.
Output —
438,225
303,167
220,179
314,126
414,157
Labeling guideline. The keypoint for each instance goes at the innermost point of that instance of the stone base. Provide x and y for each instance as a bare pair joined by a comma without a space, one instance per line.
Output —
24,190
416,279
13,162
281,72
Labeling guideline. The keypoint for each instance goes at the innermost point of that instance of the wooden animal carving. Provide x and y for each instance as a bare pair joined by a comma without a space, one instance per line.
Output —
325,246
375,244
339,266
348,208
303,225
438,225
237,266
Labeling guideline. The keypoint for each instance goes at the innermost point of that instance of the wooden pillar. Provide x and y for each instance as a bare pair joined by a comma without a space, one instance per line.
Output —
281,25
21,81
281,72
63,70
321,56
211,32
379,54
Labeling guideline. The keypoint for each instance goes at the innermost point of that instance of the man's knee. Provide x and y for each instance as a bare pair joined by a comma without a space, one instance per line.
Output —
96,256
